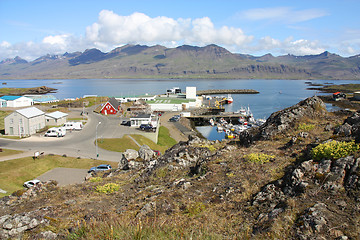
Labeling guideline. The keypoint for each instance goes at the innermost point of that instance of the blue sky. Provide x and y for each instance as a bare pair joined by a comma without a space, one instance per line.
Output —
30,29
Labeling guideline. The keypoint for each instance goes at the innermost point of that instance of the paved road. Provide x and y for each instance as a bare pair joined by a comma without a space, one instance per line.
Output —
82,143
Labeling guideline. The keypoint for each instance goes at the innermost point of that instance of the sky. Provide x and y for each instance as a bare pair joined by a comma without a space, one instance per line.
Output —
33,28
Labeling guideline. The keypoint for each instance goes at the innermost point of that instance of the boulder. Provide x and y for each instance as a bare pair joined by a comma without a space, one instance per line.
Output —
146,153
123,163
131,154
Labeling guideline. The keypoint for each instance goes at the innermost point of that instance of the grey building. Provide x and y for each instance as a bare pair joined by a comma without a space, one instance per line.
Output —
56,118
24,122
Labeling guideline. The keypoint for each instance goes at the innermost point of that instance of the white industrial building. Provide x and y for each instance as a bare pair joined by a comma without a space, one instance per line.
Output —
24,122
16,101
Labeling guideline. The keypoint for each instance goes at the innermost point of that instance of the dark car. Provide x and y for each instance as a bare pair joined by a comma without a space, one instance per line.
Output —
146,127
102,167
125,123
174,118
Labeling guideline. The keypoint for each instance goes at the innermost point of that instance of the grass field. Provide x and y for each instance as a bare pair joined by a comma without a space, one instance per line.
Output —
3,114
121,144
8,152
14,173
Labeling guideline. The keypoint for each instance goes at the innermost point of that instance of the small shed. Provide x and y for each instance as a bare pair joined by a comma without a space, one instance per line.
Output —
55,118
17,101
26,121
110,107
142,119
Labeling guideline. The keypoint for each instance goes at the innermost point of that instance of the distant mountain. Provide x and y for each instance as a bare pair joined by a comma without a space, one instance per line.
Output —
212,61
16,60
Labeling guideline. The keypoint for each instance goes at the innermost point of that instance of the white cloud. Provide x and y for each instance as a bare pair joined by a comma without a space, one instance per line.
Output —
283,14
299,47
113,30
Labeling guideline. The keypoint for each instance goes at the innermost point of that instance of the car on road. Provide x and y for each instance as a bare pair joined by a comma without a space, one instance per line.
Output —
174,118
147,127
31,183
73,126
102,167
55,132
126,123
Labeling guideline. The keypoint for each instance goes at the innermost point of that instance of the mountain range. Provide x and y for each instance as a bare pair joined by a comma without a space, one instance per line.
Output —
212,61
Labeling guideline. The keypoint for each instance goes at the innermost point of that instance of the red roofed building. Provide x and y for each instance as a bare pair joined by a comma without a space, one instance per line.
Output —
110,107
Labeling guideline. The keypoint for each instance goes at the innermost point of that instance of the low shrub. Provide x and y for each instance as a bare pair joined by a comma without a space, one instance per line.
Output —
108,188
258,157
306,127
95,179
334,150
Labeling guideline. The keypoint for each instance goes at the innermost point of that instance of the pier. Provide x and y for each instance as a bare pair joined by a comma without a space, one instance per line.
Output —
202,120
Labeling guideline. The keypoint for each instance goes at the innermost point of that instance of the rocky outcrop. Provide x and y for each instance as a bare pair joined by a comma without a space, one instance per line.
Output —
350,127
331,176
283,120
13,225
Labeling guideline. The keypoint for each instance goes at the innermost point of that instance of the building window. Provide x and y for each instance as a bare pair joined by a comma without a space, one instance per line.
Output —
11,120
20,120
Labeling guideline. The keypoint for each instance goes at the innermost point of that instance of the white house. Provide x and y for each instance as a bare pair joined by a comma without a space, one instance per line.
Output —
56,118
24,122
190,92
17,101
143,119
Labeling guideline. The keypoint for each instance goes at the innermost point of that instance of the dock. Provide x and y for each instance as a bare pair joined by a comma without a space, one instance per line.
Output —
201,120
226,91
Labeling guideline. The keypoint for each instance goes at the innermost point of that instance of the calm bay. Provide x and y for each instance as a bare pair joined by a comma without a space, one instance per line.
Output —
274,94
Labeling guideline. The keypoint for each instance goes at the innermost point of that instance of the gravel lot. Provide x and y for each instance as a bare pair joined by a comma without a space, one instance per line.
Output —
65,176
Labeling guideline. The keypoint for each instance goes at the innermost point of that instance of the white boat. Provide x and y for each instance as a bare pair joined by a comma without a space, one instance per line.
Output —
239,128
219,128
260,121
211,121
230,99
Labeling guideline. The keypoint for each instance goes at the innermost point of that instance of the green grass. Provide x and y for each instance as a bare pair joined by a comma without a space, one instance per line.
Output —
8,152
344,87
117,144
121,144
164,138
13,173
3,114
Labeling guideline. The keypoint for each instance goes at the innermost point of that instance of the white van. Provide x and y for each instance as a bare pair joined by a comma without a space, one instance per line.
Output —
73,125
55,132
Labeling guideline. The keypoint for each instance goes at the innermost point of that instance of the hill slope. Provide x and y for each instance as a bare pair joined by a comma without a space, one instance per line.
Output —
211,190
136,61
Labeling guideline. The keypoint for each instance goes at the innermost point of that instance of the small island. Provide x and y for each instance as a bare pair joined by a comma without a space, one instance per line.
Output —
23,91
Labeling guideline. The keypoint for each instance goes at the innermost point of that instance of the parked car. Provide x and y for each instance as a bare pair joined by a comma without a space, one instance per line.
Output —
174,118
55,132
126,123
147,127
31,183
73,125
102,167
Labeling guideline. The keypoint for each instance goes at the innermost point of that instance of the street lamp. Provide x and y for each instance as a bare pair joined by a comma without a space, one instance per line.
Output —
96,145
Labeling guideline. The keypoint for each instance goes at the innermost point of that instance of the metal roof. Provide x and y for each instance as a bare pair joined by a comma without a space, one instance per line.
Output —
56,115
30,112
10,98
42,98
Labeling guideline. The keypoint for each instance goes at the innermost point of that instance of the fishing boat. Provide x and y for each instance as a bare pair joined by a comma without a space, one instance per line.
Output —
219,128
230,99
211,121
